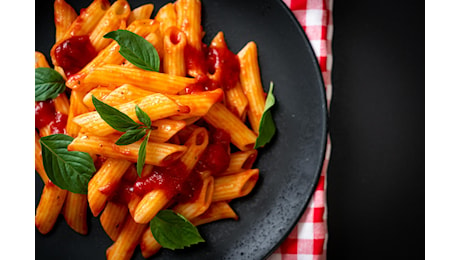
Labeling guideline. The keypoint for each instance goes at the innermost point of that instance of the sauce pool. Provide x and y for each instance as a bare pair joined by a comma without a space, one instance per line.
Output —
74,53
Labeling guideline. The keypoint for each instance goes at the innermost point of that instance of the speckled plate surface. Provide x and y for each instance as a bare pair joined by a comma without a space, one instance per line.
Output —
289,166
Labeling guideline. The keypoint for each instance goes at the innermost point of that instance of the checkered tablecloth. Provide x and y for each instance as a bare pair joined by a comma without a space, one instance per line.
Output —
308,239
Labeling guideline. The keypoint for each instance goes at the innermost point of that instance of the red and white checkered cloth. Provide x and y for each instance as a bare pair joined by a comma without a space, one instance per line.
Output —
308,239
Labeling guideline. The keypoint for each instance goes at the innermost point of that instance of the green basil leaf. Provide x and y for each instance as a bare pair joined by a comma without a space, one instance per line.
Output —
173,231
141,154
112,116
131,136
143,117
136,49
69,170
267,126
48,84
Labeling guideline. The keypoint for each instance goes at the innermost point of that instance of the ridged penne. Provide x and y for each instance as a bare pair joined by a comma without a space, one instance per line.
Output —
234,186
160,154
174,42
240,161
75,212
166,17
127,240
251,84
114,18
216,211
141,12
112,219
49,207
241,136
103,183
157,106
64,15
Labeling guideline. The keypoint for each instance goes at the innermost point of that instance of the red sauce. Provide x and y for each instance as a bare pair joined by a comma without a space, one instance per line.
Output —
190,188
217,67
167,178
123,193
195,60
59,123
44,113
216,157
224,65
74,53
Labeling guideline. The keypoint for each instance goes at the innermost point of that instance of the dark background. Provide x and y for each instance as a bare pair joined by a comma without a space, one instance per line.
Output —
376,172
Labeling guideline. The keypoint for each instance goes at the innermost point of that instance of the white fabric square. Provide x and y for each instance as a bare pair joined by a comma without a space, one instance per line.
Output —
305,230
314,17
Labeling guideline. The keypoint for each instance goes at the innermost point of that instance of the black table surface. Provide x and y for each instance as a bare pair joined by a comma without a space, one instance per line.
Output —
376,173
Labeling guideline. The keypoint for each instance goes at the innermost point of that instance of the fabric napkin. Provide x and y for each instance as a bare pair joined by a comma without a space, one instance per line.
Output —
308,239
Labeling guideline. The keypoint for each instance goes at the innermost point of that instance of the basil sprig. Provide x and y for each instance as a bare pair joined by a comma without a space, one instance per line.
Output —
267,126
136,49
69,170
173,231
123,123
48,84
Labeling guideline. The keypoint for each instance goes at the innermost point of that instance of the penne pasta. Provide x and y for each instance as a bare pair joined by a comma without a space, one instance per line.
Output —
155,200
64,15
236,101
160,154
251,84
241,136
75,212
174,44
194,208
100,93
40,60
112,219
216,211
198,103
84,24
235,185
116,75
166,17
39,168
114,18
189,21
140,13
77,107
49,207
127,240
157,106
110,54
240,161
103,183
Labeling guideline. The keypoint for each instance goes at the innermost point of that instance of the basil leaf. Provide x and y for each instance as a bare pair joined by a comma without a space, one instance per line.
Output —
136,49
69,170
173,231
112,116
141,154
48,84
267,126
131,136
143,117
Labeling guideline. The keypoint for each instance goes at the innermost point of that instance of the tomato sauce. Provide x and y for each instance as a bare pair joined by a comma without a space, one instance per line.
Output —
45,114
216,157
74,53
217,67
167,178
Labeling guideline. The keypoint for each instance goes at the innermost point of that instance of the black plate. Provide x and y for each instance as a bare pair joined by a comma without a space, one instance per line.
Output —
289,166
